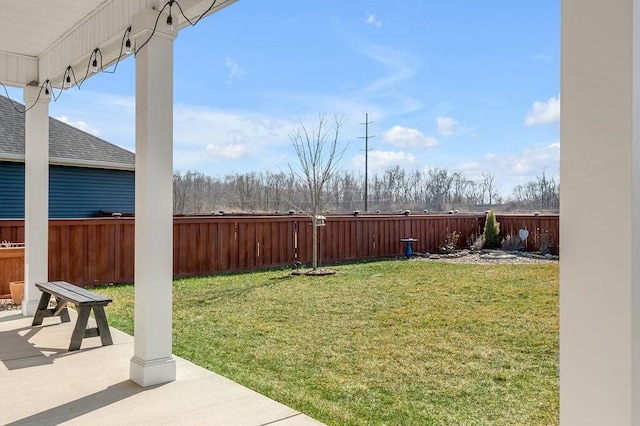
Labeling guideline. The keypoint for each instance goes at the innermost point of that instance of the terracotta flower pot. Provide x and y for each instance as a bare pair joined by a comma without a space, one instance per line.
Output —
17,291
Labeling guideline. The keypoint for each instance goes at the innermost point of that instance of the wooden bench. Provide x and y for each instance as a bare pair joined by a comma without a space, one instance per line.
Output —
84,300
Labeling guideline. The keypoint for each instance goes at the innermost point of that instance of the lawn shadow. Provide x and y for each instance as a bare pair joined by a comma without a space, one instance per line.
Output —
234,293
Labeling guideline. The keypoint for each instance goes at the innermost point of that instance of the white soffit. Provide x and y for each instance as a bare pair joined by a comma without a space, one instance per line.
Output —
39,39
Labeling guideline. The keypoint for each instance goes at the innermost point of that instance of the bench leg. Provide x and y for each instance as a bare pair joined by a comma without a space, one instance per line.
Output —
103,327
61,310
79,329
42,307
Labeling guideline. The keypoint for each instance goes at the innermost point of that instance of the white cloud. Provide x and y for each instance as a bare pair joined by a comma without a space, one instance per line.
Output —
526,163
232,149
372,20
209,140
544,112
447,126
228,151
233,67
405,137
513,168
199,126
400,67
381,96
542,57
79,124
380,160
470,165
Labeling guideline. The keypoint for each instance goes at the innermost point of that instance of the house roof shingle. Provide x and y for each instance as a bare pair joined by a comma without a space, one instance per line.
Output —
67,144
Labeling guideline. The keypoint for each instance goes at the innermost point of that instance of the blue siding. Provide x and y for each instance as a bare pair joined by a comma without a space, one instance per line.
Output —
81,192
11,190
73,191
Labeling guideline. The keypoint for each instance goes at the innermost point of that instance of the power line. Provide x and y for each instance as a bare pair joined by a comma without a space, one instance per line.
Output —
366,138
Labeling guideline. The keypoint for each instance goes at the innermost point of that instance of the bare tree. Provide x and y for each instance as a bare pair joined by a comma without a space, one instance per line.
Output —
438,189
319,156
391,190
193,192
460,190
489,187
541,193
179,193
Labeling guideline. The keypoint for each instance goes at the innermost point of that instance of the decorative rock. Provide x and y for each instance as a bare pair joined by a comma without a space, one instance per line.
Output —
497,255
475,257
8,305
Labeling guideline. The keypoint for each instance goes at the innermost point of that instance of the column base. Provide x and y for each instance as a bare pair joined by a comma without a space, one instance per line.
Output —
29,307
152,372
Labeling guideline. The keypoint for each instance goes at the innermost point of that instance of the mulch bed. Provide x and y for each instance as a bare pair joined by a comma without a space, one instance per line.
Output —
8,305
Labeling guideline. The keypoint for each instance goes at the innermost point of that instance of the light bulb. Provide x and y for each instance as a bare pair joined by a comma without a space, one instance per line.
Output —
94,64
67,83
170,21
127,47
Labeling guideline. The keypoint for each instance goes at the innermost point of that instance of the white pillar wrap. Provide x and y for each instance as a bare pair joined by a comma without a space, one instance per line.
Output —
152,362
600,213
36,198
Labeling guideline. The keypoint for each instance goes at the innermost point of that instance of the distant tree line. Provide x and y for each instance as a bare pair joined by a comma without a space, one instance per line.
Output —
435,190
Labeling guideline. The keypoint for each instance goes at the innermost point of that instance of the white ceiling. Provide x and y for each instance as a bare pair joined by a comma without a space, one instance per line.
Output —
29,27
39,39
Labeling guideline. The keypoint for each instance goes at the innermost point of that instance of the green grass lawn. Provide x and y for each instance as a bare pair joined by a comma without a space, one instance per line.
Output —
389,342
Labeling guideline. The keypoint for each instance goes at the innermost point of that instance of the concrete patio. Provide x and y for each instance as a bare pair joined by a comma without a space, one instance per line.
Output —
43,383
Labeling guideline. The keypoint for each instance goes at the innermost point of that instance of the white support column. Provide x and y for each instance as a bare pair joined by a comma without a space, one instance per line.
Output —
600,213
36,197
152,362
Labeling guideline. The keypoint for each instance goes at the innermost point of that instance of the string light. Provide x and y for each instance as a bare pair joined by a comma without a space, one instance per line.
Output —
93,66
67,77
49,89
170,18
193,23
155,27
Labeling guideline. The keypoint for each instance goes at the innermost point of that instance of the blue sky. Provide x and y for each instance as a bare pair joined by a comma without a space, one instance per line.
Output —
462,85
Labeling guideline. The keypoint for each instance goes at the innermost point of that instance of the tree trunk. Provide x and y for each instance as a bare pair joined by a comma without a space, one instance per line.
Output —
314,256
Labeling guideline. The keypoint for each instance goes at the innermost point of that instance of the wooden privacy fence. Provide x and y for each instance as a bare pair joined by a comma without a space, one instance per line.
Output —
11,268
101,250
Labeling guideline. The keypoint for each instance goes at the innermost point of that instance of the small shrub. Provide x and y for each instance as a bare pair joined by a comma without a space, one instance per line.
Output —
450,241
475,241
543,241
491,232
512,243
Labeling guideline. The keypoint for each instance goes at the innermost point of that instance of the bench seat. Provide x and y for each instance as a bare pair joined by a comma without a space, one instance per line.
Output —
85,302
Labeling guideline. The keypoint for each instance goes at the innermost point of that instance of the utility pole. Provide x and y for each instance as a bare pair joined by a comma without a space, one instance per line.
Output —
366,138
